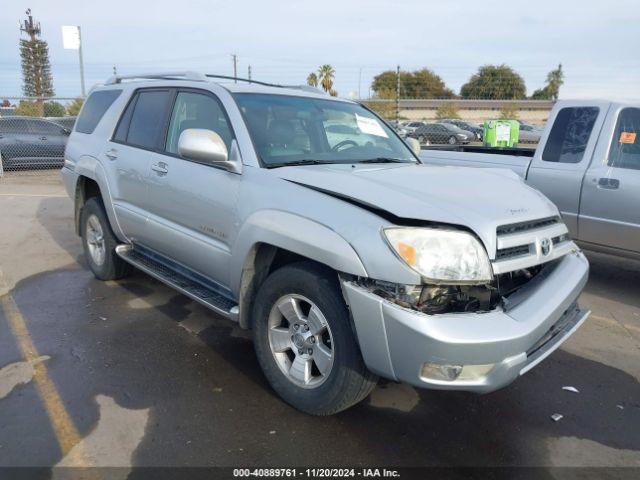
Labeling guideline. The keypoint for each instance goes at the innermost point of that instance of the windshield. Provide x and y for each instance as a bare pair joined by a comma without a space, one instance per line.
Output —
290,130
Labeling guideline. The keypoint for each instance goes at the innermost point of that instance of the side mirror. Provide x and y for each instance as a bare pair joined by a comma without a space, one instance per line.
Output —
414,145
202,145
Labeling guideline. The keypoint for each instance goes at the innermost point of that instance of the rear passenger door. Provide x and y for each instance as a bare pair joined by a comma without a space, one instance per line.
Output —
193,204
609,210
559,165
136,144
50,140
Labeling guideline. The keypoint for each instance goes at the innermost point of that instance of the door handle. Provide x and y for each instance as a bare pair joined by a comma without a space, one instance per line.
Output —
608,183
111,154
160,168
43,138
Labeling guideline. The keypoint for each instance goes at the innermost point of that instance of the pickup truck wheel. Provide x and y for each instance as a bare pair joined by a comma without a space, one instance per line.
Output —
100,243
304,341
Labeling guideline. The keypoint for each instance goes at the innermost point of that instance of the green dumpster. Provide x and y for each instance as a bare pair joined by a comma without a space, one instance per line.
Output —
501,133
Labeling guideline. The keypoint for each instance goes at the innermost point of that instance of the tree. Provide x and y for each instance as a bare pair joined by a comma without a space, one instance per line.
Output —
421,83
386,108
54,109
74,107
312,80
447,110
326,74
551,91
28,109
34,54
5,103
496,82
509,111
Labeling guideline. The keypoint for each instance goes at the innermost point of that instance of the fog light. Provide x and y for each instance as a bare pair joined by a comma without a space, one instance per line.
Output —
435,371
449,373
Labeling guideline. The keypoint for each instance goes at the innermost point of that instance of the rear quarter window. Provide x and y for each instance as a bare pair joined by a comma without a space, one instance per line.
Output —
570,134
94,109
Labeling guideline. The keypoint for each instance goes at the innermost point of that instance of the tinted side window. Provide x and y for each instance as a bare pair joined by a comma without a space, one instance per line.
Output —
94,108
148,118
625,148
196,110
569,135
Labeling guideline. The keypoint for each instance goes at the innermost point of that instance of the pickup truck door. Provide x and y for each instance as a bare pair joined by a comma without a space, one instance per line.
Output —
566,149
609,213
192,218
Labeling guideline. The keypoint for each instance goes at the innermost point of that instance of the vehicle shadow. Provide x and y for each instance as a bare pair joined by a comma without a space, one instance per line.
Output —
614,278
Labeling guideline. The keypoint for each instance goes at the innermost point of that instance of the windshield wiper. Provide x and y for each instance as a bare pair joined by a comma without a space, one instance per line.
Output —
297,163
384,160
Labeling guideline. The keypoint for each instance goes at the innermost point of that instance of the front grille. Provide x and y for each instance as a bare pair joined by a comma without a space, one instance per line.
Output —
524,226
526,244
513,252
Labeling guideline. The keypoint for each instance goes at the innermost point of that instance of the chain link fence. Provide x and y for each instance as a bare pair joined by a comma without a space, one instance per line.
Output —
34,133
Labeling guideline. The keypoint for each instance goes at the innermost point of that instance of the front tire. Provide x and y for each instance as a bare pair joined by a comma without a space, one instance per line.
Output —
100,243
453,140
304,341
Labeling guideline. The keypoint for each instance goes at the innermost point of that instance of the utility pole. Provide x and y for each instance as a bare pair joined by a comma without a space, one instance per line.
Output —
235,67
249,72
115,70
359,83
398,94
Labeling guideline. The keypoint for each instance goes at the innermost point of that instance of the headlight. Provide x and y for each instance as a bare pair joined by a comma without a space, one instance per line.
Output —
441,256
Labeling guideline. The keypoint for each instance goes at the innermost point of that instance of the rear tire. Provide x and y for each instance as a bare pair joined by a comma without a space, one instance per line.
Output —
100,243
310,296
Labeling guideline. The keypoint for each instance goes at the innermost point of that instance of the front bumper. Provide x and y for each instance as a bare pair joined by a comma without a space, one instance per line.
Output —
396,342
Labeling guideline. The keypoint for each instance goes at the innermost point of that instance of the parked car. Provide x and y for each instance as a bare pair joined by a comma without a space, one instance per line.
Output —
529,133
442,133
587,163
469,127
348,261
411,126
28,142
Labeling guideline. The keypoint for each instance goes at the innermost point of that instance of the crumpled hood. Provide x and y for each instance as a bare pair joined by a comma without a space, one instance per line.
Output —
479,199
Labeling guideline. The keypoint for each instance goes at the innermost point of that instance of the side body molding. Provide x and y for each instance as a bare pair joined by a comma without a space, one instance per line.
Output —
296,234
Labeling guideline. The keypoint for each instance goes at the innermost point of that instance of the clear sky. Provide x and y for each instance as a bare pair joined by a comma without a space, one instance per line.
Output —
597,42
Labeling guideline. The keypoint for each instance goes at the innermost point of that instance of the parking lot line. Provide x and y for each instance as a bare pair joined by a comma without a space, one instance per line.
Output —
52,195
63,427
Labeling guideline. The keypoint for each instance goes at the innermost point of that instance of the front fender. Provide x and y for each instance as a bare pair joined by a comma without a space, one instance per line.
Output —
296,234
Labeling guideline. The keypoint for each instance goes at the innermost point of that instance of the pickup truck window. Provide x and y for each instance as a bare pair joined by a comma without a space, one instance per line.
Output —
570,134
625,147
197,110
288,129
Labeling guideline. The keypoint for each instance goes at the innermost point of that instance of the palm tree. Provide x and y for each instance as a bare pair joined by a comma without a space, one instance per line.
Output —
325,75
312,80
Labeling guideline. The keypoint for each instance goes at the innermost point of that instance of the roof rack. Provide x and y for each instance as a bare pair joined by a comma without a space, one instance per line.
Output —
193,76
202,77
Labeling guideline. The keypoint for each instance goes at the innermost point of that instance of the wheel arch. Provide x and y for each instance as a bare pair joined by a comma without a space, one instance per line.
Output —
92,183
273,239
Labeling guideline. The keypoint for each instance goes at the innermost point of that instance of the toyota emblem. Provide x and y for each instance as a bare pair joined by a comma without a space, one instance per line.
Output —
545,246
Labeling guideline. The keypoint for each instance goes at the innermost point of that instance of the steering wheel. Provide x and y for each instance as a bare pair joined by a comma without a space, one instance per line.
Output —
343,143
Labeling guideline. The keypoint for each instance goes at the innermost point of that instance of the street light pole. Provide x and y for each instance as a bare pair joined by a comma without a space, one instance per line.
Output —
82,88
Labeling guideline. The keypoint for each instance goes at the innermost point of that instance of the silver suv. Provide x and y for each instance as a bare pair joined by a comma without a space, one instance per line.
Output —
308,220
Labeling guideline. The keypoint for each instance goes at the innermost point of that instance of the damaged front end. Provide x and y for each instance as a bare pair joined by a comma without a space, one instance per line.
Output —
434,299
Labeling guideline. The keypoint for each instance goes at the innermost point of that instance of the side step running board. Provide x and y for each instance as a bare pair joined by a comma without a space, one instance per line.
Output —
194,290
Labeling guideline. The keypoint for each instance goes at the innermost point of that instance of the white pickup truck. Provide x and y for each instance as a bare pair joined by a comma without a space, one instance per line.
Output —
587,163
